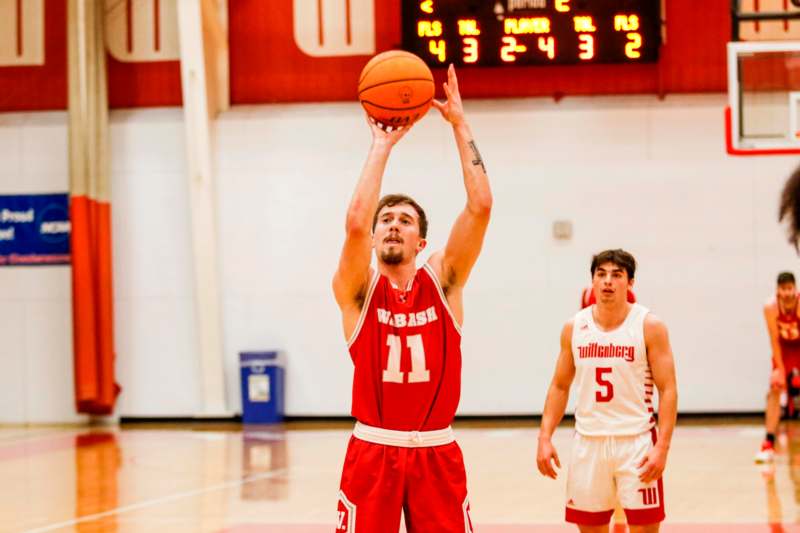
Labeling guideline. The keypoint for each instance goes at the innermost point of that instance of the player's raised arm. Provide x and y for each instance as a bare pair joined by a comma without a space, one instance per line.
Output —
662,365
352,275
556,404
466,237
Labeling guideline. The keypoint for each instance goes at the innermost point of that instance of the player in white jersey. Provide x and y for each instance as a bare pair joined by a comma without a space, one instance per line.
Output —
616,352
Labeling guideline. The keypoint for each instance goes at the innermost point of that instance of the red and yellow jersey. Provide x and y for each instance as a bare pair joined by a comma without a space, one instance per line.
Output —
406,349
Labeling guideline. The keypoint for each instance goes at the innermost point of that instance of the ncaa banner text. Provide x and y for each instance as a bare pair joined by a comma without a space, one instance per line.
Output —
34,229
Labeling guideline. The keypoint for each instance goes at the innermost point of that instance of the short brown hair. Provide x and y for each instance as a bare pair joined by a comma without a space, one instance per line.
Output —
391,200
619,257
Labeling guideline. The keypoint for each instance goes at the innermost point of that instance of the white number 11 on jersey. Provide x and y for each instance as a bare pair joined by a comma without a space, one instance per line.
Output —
419,373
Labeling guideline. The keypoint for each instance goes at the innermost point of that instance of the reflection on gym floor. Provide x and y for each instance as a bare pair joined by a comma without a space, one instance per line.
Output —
284,479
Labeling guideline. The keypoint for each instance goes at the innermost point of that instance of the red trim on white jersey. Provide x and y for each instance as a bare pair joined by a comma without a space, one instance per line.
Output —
654,515
588,518
643,517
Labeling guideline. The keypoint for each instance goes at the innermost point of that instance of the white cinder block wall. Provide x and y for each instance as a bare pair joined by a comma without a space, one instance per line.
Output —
648,175
36,377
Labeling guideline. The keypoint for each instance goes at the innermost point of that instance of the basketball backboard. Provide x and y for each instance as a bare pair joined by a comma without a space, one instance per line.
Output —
763,115
763,95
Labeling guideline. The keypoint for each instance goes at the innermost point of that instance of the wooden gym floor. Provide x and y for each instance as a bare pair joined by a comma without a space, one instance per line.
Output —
285,479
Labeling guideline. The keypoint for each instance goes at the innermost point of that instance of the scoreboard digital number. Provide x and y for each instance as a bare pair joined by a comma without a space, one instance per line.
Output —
532,32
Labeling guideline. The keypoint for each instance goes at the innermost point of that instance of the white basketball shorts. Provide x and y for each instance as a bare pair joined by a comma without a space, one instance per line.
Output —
604,470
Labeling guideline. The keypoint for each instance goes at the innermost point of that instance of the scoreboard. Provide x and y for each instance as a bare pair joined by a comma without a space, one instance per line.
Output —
532,32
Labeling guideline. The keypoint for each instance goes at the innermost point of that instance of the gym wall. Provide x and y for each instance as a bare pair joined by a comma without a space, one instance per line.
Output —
636,172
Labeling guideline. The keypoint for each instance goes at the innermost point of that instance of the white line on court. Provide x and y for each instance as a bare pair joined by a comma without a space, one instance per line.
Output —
158,501
27,436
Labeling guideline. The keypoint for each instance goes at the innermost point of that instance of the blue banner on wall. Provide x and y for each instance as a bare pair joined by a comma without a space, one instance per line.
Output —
34,229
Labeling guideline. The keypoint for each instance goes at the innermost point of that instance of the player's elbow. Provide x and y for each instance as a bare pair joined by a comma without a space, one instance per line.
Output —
560,386
357,223
481,206
669,390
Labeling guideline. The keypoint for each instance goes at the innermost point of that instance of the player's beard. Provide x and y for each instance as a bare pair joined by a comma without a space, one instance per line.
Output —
392,257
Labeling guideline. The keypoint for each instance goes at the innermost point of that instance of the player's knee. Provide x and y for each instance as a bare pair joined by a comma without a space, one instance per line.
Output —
648,528
593,529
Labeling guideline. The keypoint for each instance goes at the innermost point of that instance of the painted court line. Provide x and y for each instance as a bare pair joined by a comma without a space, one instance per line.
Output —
536,528
159,501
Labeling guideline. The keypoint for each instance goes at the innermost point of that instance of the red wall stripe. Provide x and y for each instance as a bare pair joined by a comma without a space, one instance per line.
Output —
19,28
40,87
756,8
320,23
157,24
129,24
151,84
348,22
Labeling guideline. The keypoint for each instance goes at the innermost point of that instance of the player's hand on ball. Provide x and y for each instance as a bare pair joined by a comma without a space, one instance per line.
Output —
546,455
451,109
652,466
384,134
777,380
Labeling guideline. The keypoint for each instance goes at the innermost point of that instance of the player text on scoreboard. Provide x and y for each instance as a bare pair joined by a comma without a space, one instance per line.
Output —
532,32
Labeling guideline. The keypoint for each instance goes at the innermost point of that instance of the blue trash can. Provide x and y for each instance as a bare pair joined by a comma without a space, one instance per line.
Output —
262,376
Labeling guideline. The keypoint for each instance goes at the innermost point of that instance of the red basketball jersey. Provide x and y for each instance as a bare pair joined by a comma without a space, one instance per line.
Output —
789,337
407,355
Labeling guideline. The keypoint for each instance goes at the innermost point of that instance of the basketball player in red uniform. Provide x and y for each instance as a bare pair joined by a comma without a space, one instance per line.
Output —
403,328
616,352
783,324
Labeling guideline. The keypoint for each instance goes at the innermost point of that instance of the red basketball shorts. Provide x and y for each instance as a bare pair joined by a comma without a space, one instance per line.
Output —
428,484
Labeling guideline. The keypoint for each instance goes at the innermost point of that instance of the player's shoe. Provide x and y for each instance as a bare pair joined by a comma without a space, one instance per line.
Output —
767,471
766,454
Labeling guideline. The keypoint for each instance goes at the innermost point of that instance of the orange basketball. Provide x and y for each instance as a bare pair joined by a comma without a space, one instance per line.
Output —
396,88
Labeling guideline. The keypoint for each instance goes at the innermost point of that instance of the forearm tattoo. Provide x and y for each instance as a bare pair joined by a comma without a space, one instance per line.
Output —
478,159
